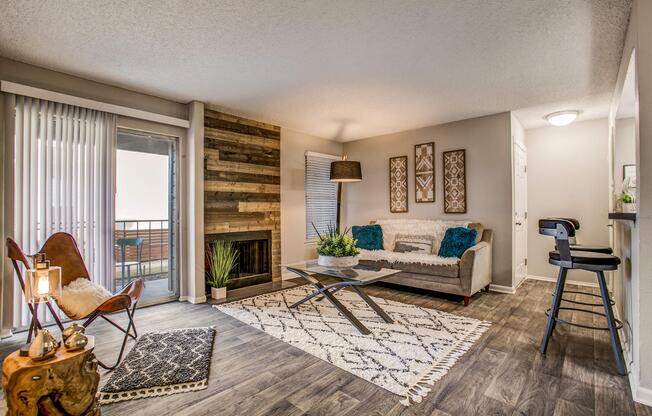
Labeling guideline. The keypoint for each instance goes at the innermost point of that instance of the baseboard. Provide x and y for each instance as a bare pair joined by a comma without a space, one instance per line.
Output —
200,299
640,394
554,279
502,289
288,275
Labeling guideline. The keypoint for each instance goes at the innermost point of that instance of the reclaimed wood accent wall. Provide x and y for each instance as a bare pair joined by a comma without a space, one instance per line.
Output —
242,178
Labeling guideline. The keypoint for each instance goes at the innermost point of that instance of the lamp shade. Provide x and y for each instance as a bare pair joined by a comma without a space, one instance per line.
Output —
345,171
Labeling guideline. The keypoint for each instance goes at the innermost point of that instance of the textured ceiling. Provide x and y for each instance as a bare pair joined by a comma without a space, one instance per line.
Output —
335,69
590,107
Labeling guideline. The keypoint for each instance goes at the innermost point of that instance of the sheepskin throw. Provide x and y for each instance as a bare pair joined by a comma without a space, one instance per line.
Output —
421,258
435,228
80,297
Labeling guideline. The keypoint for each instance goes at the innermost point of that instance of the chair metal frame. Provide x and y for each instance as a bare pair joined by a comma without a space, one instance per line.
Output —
62,250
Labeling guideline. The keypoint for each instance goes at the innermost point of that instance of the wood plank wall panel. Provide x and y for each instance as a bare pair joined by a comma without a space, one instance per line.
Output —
242,178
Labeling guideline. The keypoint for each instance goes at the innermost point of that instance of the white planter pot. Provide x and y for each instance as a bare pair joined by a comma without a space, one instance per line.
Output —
218,292
330,261
629,207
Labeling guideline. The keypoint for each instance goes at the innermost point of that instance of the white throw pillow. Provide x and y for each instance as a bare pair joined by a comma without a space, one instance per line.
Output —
413,244
80,297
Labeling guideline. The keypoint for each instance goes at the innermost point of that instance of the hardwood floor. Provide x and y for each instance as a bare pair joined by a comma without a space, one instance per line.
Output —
253,373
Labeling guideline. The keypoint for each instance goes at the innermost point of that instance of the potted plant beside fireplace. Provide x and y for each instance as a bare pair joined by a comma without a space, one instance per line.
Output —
336,249
222,257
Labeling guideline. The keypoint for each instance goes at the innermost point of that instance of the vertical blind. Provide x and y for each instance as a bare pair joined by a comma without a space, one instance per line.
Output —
321,194
64,181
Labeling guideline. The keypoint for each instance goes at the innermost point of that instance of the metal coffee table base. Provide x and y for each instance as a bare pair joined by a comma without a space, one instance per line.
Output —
327,292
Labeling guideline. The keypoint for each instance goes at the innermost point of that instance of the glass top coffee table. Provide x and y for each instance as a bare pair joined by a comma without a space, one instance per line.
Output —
353,277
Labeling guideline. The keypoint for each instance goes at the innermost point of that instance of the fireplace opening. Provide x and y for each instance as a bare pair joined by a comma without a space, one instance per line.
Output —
254,263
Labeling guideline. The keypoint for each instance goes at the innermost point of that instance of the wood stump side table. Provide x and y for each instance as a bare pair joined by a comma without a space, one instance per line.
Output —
63,385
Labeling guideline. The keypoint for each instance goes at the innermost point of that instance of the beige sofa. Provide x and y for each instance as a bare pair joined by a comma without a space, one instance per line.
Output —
464,276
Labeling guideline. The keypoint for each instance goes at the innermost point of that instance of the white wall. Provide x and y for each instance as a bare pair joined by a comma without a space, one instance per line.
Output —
567,177
642,269
294,145
487,141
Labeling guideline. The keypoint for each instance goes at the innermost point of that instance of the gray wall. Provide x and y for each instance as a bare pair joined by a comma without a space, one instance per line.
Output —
568,175
487,142
294,145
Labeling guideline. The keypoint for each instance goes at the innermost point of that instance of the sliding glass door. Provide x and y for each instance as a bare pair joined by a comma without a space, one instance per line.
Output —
146,214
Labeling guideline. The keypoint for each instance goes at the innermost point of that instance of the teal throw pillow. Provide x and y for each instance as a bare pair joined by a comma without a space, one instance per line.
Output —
456,241
370,237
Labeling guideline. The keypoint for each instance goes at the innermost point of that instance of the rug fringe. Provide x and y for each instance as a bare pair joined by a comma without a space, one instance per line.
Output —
420,389
106,398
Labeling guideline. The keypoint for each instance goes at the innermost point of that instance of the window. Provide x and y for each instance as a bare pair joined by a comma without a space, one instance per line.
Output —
321,194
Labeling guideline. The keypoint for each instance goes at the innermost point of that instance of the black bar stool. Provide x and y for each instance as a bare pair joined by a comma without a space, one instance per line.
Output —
582,247
566,259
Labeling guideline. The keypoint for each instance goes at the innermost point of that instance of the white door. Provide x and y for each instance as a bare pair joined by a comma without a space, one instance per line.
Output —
520,212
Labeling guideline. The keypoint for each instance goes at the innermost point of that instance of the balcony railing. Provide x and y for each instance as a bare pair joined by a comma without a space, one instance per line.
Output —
141,250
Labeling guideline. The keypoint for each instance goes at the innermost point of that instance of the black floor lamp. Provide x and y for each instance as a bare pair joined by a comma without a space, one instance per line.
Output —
344,171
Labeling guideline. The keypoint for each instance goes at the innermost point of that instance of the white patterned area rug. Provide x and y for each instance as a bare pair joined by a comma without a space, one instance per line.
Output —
406,357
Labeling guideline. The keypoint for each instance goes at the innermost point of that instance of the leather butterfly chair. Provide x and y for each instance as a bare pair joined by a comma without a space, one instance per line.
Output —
61,250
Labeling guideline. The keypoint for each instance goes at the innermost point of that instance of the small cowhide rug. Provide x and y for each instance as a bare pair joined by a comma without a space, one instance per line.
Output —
162,363
406,357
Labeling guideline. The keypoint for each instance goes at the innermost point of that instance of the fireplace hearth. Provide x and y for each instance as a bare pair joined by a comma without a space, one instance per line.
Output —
254,263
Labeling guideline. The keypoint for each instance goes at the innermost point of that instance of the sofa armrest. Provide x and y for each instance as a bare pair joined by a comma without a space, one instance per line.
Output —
475,268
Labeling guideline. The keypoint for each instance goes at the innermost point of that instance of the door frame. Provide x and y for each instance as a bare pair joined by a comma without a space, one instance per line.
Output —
157,131
515,282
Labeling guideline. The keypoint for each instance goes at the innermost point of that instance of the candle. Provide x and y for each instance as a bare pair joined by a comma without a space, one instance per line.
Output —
43,285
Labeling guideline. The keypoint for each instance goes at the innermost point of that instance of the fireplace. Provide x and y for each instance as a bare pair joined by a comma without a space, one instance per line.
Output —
254,263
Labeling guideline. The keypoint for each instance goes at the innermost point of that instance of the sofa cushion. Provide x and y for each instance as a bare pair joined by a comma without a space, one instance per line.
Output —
369,237
413,243
456,241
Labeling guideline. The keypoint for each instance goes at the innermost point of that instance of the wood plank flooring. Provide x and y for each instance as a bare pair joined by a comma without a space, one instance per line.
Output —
253,373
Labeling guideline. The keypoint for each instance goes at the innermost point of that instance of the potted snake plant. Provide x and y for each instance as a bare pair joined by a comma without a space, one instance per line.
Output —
336,249
222,257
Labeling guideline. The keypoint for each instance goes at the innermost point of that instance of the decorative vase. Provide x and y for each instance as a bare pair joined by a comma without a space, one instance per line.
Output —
76,341
629,207
330,261
218,292
71,330
44,346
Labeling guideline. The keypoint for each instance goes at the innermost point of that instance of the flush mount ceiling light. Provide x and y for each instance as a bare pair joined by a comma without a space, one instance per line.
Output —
562,118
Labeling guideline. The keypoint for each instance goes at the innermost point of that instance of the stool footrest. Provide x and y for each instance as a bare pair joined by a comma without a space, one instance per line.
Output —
577,302
618,323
